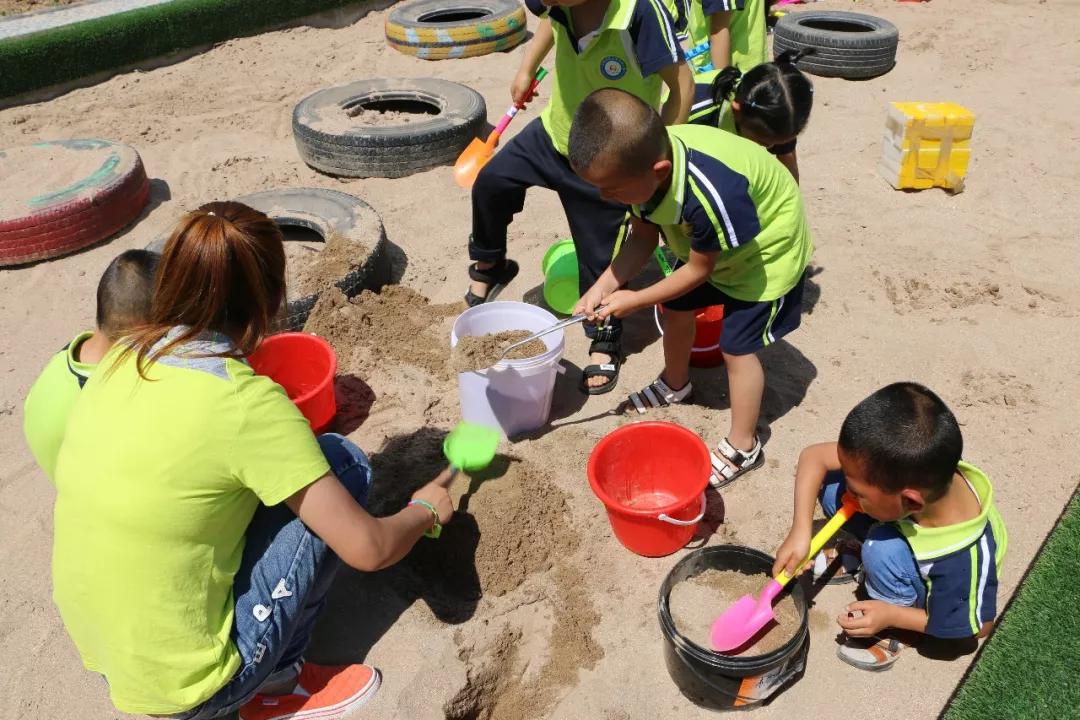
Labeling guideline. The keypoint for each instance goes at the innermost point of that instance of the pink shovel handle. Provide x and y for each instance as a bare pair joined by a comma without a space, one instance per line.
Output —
514,109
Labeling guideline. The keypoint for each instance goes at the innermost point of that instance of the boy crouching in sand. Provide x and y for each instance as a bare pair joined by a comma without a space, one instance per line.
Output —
733,216
124,295
932,540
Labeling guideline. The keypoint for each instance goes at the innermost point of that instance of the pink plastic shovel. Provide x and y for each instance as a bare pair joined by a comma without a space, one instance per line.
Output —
477,154
744,619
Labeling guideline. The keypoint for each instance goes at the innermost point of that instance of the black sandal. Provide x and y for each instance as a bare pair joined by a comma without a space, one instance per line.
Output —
497,278
607,370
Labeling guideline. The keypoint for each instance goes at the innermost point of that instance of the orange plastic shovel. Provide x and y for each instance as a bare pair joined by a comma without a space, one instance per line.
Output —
744,619
478,153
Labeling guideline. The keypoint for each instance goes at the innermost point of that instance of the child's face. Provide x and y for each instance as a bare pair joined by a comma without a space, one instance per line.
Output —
624,188
875,502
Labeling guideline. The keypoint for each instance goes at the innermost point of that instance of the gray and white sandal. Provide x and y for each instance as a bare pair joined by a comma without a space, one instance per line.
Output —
745,461
659,394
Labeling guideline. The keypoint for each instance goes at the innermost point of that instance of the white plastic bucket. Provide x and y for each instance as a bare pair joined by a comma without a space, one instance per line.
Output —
514,395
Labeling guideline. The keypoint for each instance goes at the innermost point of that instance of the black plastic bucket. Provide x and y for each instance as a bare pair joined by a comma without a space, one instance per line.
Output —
725,682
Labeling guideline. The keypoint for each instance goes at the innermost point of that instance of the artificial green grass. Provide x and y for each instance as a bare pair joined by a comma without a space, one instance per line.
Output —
1030,667
33,62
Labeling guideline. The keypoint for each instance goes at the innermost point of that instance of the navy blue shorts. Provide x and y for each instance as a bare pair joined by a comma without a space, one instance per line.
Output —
748,326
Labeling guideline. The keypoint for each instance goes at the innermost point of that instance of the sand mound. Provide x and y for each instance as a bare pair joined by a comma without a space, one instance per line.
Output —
396,325
479,352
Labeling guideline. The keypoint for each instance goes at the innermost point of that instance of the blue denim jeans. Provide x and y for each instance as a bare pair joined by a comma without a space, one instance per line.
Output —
891,572
281,587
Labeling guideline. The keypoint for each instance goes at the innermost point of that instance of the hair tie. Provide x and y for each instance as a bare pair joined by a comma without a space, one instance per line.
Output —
211,213
753,104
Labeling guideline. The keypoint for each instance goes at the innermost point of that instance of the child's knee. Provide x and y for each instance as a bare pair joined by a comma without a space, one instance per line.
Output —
348,463
892,574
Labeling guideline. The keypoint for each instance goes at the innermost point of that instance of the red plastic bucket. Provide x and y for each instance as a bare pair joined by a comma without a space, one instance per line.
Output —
651,477
304,365
709,322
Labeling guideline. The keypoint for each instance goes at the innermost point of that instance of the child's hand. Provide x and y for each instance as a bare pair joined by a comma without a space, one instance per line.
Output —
591,300
620,304
518,89
792,552
435,493
876,615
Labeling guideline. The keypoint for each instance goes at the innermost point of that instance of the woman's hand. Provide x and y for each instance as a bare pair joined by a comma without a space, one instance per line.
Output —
620,304
792,552
435,492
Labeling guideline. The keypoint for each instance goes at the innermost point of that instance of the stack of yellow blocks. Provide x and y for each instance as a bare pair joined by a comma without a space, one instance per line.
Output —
927,145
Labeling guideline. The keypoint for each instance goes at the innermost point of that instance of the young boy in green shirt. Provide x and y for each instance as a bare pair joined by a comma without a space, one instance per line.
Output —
124,294
930,540
628,44
732,215
735,30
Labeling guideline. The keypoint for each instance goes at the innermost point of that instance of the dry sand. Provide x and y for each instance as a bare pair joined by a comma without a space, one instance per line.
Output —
904,288
14,7
696,602
479,352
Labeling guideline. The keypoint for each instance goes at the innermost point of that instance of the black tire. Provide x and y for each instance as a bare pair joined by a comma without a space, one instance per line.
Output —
387,151
846,45
325,211
447,29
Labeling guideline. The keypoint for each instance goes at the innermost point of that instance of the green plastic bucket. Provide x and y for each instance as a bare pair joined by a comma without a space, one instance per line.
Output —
560,268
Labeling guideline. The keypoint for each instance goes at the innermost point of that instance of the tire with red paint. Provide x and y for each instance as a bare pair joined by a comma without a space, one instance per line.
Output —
61,220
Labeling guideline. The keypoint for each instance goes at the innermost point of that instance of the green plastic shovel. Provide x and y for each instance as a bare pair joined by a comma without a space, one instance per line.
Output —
470,447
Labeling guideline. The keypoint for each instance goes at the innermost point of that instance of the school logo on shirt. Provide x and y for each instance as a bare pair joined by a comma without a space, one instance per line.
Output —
613,68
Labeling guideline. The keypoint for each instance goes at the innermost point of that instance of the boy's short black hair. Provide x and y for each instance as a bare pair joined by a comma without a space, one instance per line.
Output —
126,292
614,124
904,436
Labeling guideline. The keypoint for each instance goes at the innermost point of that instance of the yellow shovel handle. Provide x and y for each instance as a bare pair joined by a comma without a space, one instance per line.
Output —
849,507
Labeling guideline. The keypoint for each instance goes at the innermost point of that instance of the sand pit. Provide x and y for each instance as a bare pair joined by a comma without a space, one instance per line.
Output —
313,269
26,173
479,352
695,604
218,126
14,7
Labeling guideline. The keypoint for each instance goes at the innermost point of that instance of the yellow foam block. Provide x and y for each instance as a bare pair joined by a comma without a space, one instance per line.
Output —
927,145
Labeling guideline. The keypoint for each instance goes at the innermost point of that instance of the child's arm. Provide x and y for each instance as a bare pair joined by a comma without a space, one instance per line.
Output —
720,39
680,81
364,542
791,162
621,303
634,253
535,52
814,462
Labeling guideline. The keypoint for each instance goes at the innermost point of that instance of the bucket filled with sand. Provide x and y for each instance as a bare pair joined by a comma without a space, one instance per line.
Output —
513,394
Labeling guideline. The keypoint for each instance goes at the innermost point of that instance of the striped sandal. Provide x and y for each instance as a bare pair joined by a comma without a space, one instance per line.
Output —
723,474
875,654
659,395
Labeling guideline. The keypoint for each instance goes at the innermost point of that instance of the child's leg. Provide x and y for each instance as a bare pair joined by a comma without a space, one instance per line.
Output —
679,329
281,588
499,194
748,328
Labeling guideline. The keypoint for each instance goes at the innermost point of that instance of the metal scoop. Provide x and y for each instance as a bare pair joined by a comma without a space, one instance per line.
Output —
557,326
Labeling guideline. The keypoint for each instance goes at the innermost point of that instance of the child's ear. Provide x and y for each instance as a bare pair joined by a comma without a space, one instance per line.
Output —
913,500
662,170
735,106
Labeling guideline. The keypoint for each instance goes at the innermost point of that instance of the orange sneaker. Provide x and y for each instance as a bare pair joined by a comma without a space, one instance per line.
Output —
321,692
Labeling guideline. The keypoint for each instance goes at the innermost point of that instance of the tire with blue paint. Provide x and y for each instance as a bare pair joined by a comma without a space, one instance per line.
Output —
446,29
61,220
457,114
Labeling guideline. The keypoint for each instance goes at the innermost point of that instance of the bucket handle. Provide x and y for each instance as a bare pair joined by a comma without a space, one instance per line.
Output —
684,523
660,327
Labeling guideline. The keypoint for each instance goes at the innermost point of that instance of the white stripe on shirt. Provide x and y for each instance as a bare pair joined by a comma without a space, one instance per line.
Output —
984,571
669,31
732,240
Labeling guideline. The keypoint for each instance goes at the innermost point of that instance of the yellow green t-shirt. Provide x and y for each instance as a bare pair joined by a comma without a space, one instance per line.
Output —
730,196
636,40
749,33
49,402
157,482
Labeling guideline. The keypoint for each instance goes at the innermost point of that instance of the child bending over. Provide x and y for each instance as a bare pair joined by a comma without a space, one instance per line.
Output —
932,540
734,218
628,44
124,294
770,104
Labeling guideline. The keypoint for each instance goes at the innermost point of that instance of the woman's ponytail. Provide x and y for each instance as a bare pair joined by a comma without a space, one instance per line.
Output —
723,86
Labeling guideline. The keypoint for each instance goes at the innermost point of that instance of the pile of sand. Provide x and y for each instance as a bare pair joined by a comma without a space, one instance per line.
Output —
479,352
314,269
696,602
395,325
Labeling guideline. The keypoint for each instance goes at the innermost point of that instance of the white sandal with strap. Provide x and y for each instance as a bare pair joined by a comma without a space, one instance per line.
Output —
744,460
659,394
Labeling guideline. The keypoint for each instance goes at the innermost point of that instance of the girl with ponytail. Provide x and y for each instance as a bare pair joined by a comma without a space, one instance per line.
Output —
199,522
770,104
